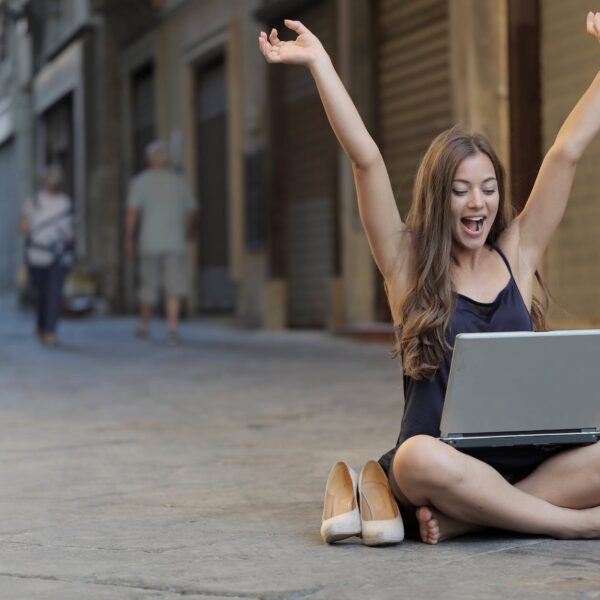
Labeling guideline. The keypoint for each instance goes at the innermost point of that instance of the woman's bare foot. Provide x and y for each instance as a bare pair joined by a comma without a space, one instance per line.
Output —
435,527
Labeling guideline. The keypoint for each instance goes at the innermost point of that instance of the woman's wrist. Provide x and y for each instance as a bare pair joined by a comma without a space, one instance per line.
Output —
319,62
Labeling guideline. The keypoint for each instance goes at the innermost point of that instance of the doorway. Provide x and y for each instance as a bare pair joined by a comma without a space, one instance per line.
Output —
216,289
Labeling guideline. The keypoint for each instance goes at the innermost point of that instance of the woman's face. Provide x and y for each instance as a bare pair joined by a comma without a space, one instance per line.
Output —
474,201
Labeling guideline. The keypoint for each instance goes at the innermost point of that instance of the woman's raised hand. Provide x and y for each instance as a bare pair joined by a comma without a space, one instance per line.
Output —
593,25
306,49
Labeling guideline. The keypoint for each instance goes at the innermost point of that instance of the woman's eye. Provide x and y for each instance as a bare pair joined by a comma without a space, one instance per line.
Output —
489,192
459,192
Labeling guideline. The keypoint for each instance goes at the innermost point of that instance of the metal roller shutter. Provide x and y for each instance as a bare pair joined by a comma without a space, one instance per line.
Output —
415,100
307,150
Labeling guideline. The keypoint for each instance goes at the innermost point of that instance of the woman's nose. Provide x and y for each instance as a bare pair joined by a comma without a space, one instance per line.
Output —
475,199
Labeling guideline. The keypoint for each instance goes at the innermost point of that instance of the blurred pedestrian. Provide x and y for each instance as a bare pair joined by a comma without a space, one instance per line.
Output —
161,201
48,226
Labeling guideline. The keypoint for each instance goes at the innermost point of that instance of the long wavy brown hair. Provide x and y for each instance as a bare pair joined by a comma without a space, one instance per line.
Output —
422,313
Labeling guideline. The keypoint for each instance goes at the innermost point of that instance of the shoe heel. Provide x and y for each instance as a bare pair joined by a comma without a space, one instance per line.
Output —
381,521
341,516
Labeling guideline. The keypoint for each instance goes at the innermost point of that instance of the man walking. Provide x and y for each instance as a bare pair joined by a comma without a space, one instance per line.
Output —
165,207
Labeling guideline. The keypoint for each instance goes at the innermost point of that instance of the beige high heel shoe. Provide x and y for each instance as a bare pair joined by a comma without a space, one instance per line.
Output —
381,522
341,518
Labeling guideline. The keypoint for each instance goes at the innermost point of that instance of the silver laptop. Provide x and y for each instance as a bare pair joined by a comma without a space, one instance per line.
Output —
523,388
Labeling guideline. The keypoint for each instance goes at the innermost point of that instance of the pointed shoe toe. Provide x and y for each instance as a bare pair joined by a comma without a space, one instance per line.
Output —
381,522
341,517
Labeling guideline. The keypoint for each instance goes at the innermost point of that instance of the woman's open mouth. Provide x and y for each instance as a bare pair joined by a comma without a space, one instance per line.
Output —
473,225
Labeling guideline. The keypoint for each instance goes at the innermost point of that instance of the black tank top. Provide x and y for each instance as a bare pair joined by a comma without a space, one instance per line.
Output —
424,399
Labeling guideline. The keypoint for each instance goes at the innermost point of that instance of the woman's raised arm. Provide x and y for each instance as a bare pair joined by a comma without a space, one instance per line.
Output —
550,194
377,205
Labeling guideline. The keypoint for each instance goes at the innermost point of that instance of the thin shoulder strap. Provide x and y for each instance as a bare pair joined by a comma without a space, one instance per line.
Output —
504,259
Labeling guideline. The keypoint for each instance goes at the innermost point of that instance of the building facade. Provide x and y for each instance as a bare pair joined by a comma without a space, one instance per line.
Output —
569,63
16,134
280,243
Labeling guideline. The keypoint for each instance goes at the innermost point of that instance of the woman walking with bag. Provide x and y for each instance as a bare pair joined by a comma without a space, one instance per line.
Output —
460,263
47,224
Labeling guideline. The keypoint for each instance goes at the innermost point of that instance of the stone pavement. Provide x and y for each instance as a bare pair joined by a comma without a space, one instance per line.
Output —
132,470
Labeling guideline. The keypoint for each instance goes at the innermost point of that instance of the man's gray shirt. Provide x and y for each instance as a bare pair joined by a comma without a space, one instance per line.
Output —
163,199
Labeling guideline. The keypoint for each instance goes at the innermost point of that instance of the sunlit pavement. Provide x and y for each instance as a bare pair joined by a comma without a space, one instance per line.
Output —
131,469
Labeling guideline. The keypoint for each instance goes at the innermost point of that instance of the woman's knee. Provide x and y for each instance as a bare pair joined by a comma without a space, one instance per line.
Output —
424,460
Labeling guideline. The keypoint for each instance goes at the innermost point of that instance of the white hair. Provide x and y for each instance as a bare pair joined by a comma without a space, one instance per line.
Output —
157,151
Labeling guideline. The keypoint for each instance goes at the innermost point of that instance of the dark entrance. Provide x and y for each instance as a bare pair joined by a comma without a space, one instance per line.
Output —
58,140
142,109
525,103
216,289
303,212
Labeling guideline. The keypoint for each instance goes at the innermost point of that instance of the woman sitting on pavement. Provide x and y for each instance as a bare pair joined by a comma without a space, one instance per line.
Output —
462,263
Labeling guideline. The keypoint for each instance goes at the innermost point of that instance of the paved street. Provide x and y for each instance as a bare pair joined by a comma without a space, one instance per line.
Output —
132,470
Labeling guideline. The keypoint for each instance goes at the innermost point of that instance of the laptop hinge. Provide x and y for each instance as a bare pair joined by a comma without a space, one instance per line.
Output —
522,432
586,435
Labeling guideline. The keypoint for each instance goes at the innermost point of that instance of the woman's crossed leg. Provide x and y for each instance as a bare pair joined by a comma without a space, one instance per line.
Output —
456,493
